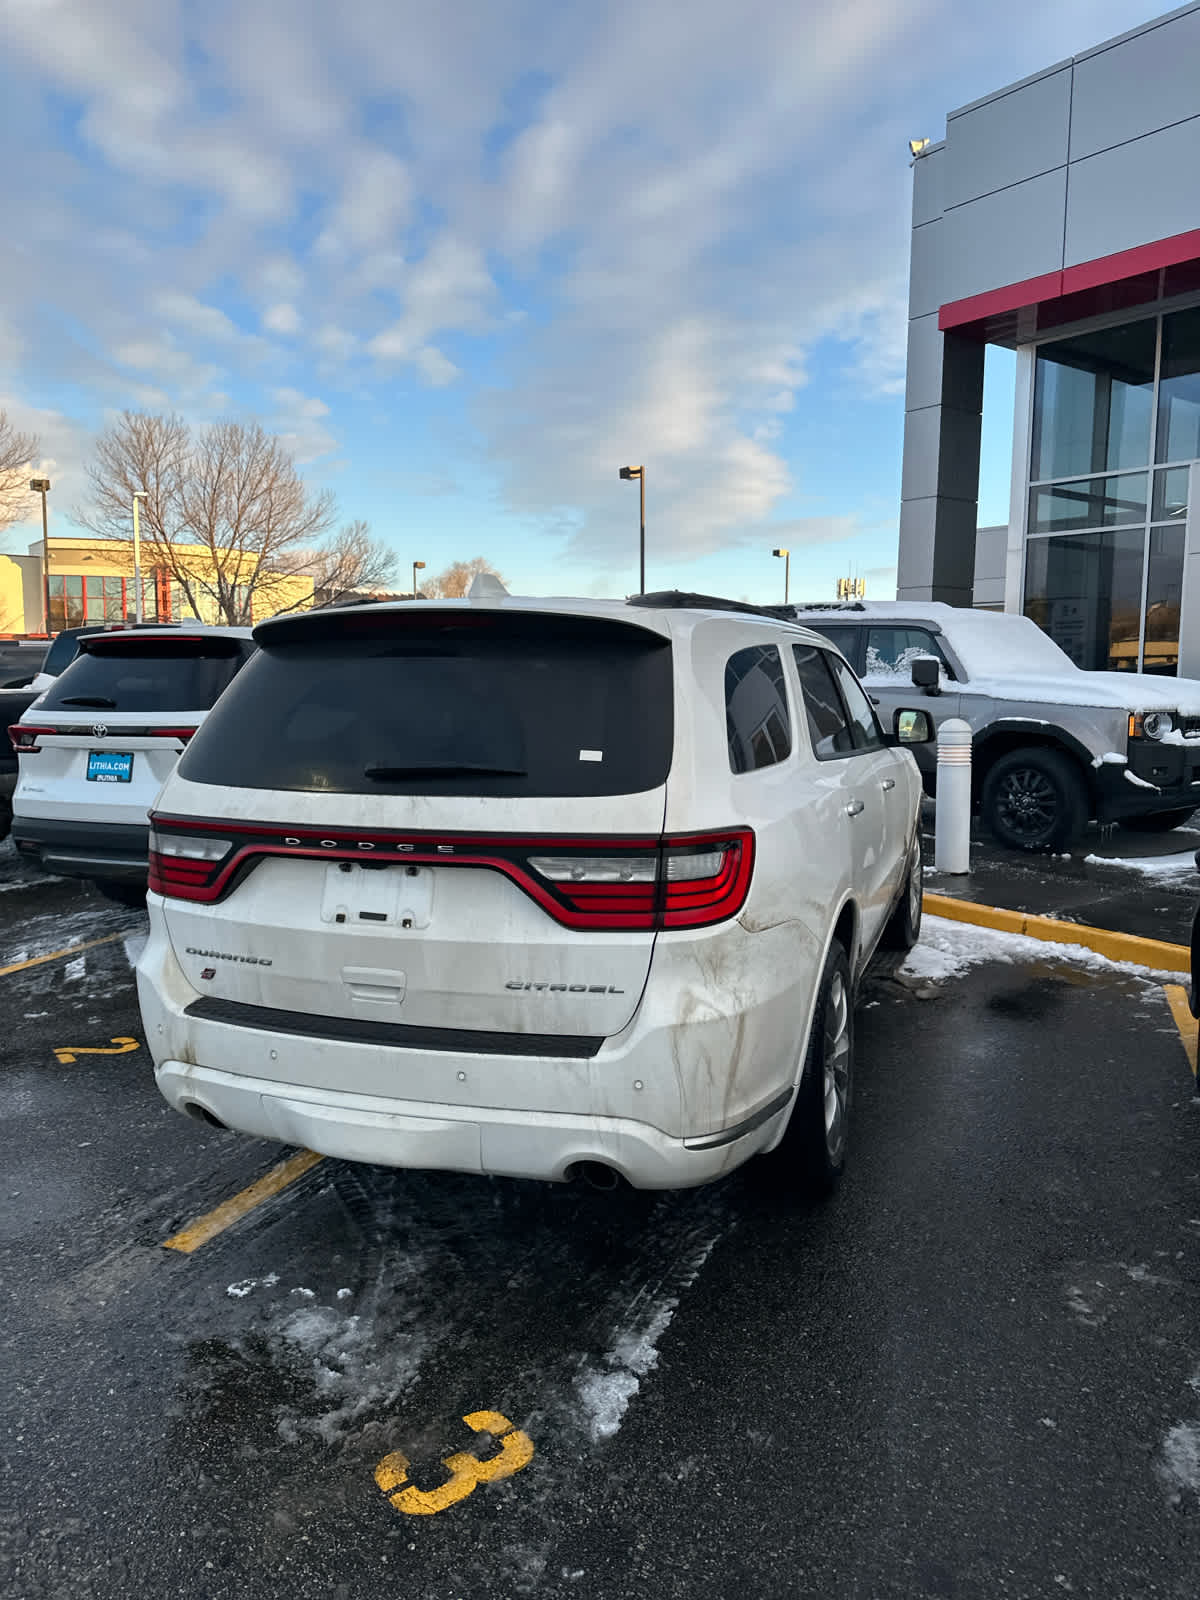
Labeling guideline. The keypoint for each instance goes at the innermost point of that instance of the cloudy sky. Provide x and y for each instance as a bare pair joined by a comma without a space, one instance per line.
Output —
470,257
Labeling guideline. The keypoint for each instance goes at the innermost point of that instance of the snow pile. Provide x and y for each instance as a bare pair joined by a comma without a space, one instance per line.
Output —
1152,866
1178,1465
948,949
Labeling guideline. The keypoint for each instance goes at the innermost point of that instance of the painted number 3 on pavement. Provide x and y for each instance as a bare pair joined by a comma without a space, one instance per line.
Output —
466,1471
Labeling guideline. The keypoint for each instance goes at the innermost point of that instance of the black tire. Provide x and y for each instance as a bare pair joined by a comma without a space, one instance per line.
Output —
125,894
903,927
1158,821
812,1154
1034,799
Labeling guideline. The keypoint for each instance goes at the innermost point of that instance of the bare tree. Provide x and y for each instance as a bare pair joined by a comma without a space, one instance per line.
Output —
17,453
456,580
231,492
352,562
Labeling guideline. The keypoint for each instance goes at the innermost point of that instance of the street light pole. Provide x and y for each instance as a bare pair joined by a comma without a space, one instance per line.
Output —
629,473
139,494
40,486
787,570
418,566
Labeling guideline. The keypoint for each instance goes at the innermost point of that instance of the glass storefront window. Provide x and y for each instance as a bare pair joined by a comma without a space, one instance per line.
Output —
1086,592
1164,590
1089,503
1170,495
1093,402
1179,388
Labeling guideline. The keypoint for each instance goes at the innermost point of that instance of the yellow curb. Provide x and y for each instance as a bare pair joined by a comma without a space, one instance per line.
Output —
1116,946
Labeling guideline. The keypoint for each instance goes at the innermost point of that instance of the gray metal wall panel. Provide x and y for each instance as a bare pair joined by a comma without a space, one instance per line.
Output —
923,369
922,442
1138,87
1003,238
927,187
914,562
926,269
1008,140
991,555
1135,194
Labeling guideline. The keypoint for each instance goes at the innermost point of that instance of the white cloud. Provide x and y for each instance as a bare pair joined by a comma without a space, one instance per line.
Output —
281,318
185,311
303,405
449,288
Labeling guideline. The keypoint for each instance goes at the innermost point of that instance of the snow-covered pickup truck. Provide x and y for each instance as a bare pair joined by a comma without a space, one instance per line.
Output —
1053,746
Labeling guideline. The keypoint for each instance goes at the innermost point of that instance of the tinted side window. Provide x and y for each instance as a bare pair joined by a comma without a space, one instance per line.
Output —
845,639
756,709
862,715
892,651
827,725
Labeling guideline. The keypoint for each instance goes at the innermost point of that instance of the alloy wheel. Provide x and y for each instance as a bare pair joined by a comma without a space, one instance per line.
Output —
1027,803
837,1065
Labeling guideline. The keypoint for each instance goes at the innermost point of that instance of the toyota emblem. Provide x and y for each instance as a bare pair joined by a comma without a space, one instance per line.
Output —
99,730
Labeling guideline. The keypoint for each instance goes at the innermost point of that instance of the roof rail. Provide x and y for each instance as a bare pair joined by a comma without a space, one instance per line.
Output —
681,600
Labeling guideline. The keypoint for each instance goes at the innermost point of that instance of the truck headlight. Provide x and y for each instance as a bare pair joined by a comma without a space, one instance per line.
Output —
1150,724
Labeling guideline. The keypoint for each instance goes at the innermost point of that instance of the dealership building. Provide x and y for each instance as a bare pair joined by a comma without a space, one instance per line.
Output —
1060,217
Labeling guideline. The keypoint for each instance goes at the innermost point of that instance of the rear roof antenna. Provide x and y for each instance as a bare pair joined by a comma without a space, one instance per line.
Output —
487,586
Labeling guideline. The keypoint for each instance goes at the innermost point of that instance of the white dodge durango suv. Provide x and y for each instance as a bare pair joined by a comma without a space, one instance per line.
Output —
531,887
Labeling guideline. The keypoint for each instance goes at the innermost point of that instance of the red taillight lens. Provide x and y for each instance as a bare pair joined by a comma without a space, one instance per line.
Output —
613,884
25,739
185,865
707,880
182,734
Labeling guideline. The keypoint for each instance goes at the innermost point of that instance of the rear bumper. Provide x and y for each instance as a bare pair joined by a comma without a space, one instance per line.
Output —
518,1144
85,849
667,1103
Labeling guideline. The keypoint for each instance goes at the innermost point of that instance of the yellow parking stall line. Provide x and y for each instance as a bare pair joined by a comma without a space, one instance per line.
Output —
1177,999
231,1211
57,955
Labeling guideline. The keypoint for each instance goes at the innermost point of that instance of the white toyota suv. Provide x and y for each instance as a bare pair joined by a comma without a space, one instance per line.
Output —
546,888
94,748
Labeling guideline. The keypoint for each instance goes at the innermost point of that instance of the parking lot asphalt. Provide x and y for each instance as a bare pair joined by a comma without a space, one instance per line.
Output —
975,1371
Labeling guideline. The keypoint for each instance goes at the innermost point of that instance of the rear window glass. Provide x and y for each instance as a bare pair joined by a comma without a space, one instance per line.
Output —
147,675
458,705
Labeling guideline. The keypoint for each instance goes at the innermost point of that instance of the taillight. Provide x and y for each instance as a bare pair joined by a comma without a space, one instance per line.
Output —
610,884
182,734
185,864
25,739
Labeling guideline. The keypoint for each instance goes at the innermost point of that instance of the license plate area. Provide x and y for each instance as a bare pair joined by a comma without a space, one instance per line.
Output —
362,895
110,766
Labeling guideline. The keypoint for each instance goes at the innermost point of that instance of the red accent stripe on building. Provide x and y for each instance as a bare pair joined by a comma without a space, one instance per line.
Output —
1143,258
1071,280
1013,297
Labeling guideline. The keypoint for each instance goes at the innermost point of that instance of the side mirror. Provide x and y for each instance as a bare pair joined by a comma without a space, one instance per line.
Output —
927,674
912,727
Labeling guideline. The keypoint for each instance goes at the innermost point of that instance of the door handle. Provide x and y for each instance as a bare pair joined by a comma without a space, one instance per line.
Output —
855,806
888,783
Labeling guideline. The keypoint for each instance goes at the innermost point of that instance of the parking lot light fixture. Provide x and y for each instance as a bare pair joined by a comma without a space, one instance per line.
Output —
628,474
138,494
787,571
418,566
41,486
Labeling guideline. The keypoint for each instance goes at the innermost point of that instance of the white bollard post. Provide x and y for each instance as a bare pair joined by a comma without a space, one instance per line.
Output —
952,826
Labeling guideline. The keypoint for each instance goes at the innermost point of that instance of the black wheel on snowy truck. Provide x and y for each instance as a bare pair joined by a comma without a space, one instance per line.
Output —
1035,798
